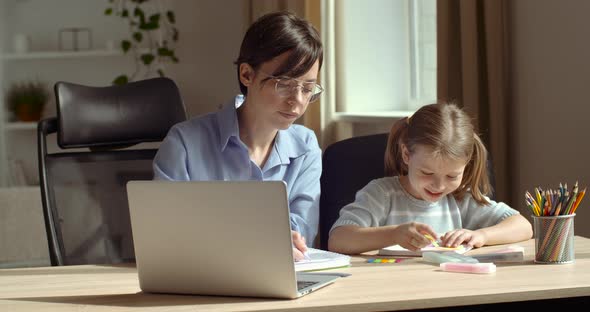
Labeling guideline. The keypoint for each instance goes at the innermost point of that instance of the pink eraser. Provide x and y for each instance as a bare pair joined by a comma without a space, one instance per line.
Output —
468,267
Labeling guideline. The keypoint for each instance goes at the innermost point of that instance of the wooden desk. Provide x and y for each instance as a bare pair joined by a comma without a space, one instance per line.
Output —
411,284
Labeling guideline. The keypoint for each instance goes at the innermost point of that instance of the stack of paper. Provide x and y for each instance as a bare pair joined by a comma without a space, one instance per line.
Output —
321,260
397,250
512,253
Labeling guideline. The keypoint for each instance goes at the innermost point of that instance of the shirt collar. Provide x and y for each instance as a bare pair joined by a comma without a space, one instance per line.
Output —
228,121
287,144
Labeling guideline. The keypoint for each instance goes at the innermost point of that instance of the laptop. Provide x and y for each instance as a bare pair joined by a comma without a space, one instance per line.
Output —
226,238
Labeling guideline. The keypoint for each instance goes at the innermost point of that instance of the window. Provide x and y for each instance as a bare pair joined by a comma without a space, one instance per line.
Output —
381,56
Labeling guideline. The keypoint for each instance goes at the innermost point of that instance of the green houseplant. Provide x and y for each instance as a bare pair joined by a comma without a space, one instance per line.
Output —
152,36
26,100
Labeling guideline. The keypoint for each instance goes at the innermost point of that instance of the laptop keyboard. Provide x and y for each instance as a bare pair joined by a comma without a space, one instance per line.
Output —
303,284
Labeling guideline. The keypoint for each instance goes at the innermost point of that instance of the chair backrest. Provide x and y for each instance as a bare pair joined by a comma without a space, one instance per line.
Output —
348,166
83,179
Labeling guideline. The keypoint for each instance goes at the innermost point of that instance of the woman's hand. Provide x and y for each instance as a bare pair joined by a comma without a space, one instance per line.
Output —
299,246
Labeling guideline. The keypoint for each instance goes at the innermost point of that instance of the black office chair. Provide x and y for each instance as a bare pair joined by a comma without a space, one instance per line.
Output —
348,166
83,180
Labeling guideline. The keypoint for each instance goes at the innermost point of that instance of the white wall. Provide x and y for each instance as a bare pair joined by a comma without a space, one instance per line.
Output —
551,66
23,241
210,38
211,33
42,21
3,173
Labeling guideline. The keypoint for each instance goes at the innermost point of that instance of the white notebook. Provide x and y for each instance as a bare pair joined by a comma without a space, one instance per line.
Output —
322,260
397,250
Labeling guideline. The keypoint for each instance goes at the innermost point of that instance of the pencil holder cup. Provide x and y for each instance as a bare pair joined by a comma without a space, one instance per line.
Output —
554,239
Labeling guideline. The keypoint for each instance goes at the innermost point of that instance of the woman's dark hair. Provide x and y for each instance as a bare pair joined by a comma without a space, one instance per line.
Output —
276,33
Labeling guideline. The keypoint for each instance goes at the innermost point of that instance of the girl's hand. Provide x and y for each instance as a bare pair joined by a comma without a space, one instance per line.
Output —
411,235
455,238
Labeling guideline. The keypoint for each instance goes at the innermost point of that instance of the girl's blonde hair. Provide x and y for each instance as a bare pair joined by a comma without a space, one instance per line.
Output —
448,131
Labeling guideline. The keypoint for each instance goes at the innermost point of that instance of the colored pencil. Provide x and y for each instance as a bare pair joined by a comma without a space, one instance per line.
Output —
552,242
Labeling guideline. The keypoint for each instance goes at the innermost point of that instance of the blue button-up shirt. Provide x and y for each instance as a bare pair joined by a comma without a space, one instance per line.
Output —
208,147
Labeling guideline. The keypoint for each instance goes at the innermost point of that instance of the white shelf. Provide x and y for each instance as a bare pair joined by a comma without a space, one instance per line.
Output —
60,54
20,125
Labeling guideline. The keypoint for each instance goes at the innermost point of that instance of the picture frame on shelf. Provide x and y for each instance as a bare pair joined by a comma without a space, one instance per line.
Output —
75,39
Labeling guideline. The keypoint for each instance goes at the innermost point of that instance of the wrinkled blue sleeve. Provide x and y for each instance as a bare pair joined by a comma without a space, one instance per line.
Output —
171,159
305,196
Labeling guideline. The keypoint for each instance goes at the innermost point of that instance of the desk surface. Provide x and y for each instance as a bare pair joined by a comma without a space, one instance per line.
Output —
411,284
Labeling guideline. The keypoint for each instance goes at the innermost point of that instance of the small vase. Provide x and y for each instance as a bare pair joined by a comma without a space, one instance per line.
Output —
25,112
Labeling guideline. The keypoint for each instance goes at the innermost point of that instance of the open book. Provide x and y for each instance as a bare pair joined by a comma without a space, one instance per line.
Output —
397,250
322,260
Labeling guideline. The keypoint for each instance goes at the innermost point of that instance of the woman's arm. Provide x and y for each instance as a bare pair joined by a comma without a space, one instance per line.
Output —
304,196
169,162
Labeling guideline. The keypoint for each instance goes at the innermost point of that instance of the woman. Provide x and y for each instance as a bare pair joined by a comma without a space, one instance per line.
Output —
253,136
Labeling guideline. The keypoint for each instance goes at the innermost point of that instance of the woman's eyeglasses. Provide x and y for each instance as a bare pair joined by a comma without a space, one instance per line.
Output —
286,87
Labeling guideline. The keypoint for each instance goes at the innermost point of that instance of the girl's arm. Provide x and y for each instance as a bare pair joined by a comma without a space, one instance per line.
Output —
353,239
360,225
513,229
510,230
496,223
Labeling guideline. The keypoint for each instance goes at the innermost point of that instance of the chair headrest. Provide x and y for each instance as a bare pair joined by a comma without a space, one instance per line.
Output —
122,115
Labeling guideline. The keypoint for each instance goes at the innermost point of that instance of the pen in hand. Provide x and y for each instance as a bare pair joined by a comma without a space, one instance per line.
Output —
432,240
299,255
299,245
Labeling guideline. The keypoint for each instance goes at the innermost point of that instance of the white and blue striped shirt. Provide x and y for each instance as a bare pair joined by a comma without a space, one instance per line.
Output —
385,202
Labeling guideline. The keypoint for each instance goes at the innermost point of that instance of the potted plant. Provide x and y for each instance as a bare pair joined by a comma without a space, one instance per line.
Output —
26,100
152,36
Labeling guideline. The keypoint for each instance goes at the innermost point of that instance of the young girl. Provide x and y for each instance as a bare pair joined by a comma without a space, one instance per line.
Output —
253,137
436,181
